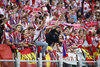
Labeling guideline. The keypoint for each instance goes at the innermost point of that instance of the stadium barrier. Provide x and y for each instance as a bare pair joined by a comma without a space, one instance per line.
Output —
60,61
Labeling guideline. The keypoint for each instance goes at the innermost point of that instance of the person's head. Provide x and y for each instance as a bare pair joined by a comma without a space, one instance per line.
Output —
61,38
79,13
27,2
53,3
84,37
30,29
81,33
87,19
98,32
73,2
37,20
1,18
58,4
25,32
58,29
62,5
19,28
24,19
72,21
66,31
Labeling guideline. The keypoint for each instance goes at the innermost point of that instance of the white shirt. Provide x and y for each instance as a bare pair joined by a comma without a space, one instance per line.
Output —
2,11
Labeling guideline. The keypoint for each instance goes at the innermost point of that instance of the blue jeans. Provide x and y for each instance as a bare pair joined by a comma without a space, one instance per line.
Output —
43,44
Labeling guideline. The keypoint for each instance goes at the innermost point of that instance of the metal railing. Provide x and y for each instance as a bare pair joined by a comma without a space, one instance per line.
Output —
60,61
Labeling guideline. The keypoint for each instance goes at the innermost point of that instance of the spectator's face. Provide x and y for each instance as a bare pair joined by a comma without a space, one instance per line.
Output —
24,20
28,3
81,33
31,30
99,25
68,8
26,32
53,3
61,38
73,2
18,28
66,32
58,29
88,20
79,13
99,35
62,5
73,33
84,37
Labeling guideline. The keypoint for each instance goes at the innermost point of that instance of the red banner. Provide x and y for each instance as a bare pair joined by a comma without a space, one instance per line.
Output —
27,54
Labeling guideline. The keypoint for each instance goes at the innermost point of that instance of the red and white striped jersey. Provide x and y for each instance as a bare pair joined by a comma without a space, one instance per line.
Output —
97,38
38,32
35,26
2,11
17,37
4,37
28,40
25,25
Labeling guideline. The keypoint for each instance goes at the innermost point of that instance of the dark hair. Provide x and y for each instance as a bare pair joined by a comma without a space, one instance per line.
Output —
98,31
80,31
58,3
23,31
41,17
26,2
29,28
1,15
21,27
66,28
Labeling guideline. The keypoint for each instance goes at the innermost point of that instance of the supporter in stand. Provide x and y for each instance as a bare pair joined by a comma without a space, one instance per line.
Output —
49,24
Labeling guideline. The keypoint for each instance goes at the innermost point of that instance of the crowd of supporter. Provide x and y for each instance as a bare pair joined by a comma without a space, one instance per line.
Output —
27,24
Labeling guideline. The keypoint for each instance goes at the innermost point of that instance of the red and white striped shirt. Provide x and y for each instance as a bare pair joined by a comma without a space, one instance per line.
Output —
28,40
4,37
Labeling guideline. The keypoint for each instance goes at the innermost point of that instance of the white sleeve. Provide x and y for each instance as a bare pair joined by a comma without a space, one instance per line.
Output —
6,35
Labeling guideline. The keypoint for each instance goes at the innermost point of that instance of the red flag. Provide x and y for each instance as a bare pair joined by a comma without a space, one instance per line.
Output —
27,54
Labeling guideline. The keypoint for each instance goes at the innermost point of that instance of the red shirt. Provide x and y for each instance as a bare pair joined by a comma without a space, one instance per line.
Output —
89,39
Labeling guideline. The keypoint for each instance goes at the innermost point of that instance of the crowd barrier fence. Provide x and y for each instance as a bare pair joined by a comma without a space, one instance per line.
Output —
60,61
